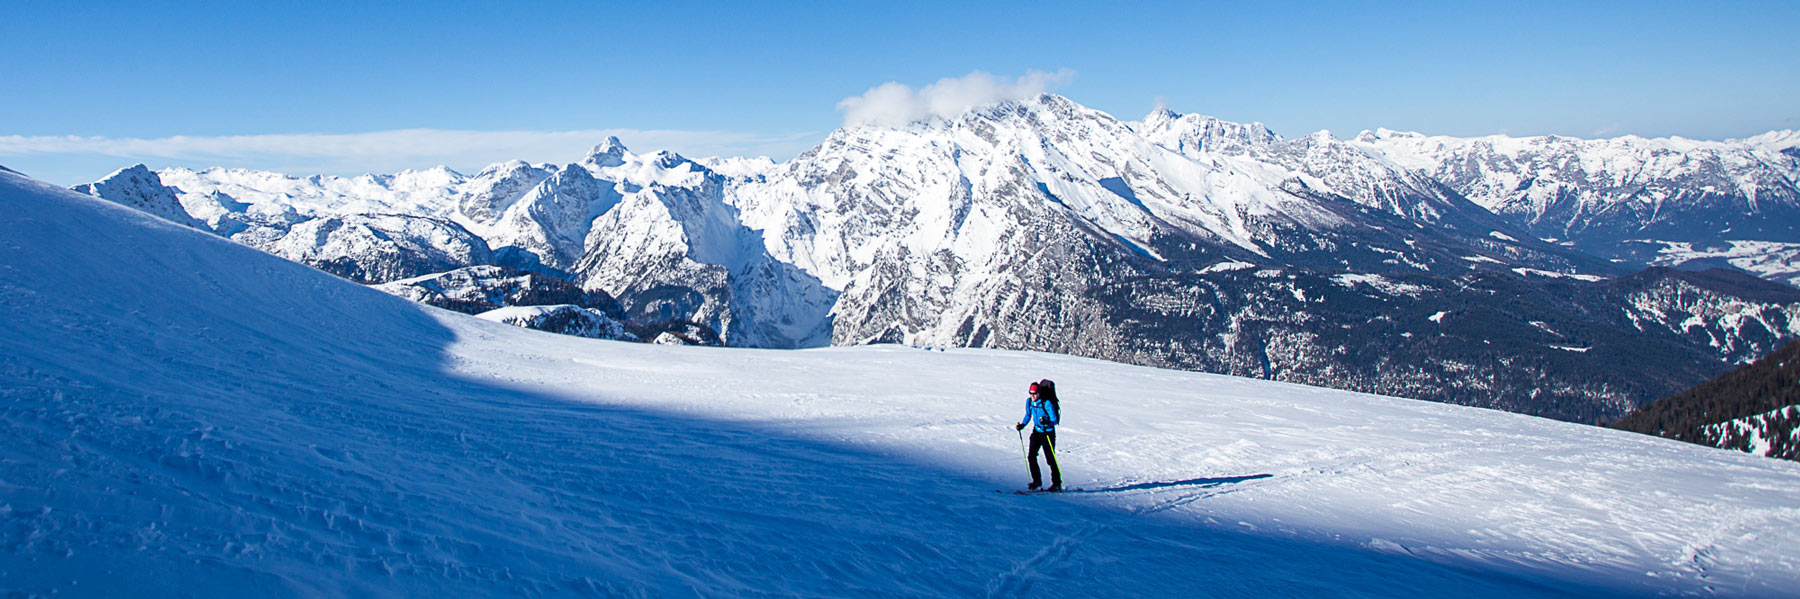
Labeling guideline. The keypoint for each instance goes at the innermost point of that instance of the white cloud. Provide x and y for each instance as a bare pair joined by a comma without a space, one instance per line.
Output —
389,151
894,104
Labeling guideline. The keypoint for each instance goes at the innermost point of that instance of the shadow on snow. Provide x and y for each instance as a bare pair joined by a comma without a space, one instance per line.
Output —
185,416
1192,482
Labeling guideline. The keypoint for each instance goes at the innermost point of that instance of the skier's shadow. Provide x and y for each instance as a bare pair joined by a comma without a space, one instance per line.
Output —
1192,482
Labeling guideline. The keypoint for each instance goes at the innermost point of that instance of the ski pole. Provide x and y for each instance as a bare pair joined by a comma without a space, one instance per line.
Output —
1022,451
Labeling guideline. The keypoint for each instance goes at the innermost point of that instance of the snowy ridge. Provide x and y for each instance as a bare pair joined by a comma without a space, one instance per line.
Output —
477,289
364,246
413,192
1195,134
142,189
1042,224
1607,194
376,248
1317,163
564,319
937,232
674,232
381,448
552,220
676,249
875,210
1721,320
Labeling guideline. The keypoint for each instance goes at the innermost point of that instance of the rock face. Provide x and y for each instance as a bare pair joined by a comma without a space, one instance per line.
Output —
1391,263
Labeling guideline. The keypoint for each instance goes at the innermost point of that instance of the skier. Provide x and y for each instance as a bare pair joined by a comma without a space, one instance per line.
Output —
1042,412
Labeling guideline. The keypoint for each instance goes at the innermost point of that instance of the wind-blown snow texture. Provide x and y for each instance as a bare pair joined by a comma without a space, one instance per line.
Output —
186,416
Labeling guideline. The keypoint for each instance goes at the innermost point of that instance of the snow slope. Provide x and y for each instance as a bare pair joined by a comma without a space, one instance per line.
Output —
189,416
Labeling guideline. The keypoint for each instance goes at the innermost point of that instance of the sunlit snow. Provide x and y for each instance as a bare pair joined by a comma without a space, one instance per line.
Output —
188,416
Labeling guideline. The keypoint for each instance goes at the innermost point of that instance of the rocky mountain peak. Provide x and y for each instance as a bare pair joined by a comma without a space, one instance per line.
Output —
139,187
669,159
609,152
1194,133
1160,115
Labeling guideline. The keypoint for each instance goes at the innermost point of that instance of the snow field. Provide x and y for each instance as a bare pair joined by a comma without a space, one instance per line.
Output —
186,416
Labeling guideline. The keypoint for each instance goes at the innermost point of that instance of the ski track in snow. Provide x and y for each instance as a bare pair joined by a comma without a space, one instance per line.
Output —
186,416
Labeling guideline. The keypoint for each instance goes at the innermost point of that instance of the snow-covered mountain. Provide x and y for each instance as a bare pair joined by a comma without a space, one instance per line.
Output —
674,248
140,188
994,228
477,289
1626,197
256,427
1322,165
562,319
1043,224
1187,243
341,226
652,230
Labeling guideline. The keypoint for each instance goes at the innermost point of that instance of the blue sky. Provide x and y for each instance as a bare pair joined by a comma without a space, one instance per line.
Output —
88,88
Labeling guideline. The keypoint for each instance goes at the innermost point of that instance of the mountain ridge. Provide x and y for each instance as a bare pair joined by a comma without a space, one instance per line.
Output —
1031,224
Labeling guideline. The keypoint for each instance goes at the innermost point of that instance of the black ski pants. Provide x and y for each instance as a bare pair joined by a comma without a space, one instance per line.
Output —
1047,443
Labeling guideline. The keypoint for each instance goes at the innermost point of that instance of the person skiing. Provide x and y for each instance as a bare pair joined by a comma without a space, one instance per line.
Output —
1042,412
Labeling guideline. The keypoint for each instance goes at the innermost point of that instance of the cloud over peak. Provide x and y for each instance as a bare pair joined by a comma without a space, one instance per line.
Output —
895,104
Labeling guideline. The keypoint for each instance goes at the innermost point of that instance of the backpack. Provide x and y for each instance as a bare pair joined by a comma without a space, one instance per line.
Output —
1047,390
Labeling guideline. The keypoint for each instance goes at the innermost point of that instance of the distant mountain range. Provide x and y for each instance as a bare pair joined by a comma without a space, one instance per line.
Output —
1494,271
1663,201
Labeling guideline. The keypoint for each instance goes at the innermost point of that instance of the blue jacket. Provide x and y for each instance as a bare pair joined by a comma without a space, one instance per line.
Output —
1041,415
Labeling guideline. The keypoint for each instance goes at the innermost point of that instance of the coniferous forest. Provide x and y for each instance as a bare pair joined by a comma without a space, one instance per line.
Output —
1761,400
